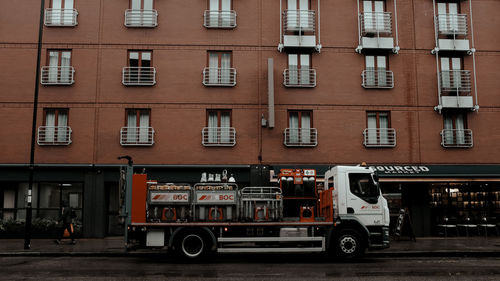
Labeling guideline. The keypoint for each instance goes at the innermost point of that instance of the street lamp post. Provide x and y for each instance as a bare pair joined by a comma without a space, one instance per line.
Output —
29,210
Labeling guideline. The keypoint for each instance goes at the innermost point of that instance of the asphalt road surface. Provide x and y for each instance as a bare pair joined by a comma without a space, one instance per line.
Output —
247,268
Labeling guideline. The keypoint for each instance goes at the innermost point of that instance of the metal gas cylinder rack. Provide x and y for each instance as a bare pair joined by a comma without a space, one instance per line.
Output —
169,202
215,202
261,204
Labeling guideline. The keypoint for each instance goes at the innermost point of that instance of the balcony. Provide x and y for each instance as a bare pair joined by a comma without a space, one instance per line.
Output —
141,18
54,135
301,137
454,30
376,30
301,78
57,75
219,19
218,136
137,136
456,138
299,29
378,137
456,81
60,17
221,77
377,79
139,76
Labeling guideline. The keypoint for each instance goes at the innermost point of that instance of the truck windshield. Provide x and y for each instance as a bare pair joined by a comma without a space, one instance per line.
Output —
364,186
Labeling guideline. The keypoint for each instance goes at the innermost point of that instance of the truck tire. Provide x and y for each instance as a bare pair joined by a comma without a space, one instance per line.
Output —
348,244
192,245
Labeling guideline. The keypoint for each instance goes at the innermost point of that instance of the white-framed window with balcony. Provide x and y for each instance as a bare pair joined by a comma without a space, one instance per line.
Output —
220,14
61,13
455,132
300,131
379,132
375,19
141,14
218,131
449,20
137,130
59,70
299,17
140,70
55,130
376,73
453,78
219,71
299,72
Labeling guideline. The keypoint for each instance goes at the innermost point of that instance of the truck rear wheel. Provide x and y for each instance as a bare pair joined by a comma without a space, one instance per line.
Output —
348,244
191,245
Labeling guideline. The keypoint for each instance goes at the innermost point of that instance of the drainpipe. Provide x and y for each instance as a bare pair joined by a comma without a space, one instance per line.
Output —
29,209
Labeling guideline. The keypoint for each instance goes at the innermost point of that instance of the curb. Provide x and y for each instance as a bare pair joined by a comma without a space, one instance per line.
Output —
163,254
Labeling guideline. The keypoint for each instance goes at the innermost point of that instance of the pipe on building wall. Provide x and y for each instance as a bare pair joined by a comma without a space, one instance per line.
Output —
358,49
270,92
318,46
436,52
396,49
473,51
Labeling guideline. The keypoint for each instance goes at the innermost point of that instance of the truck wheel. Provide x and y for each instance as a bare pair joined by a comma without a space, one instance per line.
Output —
192,245
348,244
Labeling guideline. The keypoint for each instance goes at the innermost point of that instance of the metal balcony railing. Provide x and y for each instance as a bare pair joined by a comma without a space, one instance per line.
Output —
452,24
54,135
377,78
299,78
141,18
57,75
218,136
376,23
379,137
139,76
137,136
455,81
456,138
219,19
213,76
60,17
299,21
301,137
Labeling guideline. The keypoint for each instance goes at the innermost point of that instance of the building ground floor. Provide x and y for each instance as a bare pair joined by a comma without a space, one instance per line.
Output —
462,197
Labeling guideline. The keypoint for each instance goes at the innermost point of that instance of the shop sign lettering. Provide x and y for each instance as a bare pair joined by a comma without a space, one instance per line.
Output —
401,169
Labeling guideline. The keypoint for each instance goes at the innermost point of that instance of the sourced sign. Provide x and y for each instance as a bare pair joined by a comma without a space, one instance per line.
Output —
437,170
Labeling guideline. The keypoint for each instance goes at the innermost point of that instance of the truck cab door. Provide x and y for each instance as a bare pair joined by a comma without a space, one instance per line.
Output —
364,199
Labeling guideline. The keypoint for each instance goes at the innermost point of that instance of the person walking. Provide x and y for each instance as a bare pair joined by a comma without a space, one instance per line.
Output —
66,219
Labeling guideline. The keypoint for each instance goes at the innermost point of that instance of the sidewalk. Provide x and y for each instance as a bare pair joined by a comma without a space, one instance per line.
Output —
113,246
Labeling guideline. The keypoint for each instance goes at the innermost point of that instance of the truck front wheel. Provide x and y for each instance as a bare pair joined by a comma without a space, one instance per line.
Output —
348,244
191,245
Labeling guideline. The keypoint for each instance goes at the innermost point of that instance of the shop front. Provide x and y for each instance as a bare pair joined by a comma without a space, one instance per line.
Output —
465,198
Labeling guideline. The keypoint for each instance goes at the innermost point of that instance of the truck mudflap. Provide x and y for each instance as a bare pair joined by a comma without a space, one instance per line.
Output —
379,238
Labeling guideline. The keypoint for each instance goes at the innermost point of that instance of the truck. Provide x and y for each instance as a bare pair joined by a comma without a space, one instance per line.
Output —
343,216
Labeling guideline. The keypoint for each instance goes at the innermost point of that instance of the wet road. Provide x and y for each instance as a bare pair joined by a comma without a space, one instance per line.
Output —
237,267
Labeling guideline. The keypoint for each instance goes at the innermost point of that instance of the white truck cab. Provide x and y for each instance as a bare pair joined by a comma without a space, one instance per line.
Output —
359,207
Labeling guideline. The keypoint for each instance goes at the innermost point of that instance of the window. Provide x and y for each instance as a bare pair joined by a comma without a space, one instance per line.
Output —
141,14
55,130
455,131
376,74
220,14
219,71
299,71
453,79
364,186
61,13
373,17
137,129
298,17
379,132
219,129
300,128
448,18
139,70
59,69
